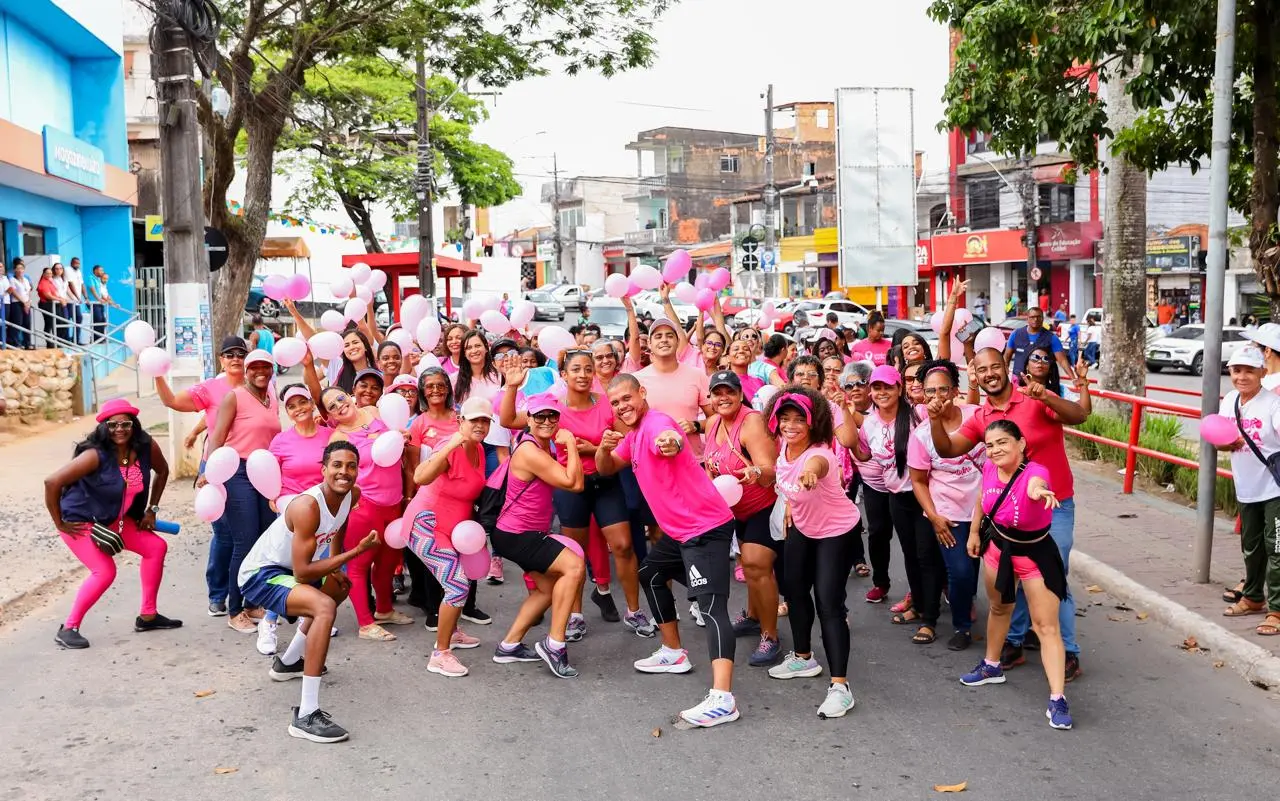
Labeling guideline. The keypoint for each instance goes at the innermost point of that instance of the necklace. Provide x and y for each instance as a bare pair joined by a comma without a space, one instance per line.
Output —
265,400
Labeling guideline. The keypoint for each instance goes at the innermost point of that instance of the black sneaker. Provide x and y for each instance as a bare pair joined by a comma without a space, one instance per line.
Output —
1073,671
745,626
281,672
608,609
1011,656
156,623
397,585
433,621
960,641
70,638
476,616
317,727
557,660
521,653
218,609
1032,641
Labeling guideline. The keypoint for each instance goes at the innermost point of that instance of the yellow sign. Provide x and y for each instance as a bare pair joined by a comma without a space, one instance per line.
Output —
155,227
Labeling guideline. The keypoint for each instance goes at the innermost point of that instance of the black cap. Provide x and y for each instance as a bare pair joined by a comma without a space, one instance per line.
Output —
505,342
369,371
233,342
724,378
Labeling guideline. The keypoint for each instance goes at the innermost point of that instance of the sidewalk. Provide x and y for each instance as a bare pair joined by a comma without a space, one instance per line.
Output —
1138,549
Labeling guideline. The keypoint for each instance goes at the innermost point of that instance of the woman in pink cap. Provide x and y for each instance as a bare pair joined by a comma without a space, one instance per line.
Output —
104,501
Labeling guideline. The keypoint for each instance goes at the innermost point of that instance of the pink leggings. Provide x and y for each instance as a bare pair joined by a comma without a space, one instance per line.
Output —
380,562
102,569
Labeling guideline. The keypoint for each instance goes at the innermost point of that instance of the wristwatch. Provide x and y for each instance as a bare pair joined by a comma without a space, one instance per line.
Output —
154,509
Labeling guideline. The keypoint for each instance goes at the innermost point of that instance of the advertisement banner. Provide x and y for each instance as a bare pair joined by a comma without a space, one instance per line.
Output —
979,247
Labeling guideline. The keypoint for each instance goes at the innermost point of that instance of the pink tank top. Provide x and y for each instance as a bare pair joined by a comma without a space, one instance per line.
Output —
383,486
255,424
132,485
528,503
721,458
589,424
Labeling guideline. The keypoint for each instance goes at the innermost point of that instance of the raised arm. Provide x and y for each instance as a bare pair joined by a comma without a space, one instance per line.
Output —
304,327
948,444
668,309
508,417
949,319
538,463
763,449
180,402
607,464
633,331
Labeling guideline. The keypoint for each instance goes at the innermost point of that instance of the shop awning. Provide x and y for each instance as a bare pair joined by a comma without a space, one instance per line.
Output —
285,247
407,262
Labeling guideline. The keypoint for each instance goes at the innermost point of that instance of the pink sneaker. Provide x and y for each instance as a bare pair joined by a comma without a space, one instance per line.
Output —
875,595
738,575
446,664
461,639
903,605
495,570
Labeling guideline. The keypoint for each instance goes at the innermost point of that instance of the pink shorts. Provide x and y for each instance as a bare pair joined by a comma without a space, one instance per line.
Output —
1024,568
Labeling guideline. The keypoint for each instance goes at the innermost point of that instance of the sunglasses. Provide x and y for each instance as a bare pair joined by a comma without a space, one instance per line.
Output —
854,385
337,402
235,354
1038,358
120,425
914,378
542,418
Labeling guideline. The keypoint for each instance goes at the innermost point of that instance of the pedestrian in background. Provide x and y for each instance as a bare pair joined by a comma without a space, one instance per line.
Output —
62,310
99,300
75,293
47,303
22,335
5,297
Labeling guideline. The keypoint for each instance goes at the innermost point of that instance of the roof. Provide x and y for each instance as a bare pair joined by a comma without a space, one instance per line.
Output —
407,261
795,103
676,135
285,247
717,250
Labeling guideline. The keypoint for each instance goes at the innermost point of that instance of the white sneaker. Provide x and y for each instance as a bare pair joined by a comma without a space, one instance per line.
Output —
714,710
266,637
697,614
839,701
664,661
793,667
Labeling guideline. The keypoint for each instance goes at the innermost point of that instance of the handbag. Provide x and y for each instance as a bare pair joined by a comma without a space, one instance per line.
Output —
1272,462
492,501
109,541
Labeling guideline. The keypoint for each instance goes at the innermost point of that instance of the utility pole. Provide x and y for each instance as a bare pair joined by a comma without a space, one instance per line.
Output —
770,188
1029,220
467,234
555,215
186,264
426,182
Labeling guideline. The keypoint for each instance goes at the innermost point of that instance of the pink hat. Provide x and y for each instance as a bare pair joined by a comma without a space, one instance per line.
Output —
543,402
296,391
403,380
115,406
885,374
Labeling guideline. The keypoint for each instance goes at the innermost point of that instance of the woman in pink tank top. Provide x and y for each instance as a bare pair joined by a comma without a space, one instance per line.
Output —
738,445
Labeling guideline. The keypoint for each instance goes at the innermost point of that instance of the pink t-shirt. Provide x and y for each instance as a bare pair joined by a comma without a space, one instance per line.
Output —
683,500
589,424
824,511
881,470
300,458
255,424
953,483
527,505
428,432
484,387
451,496
750,386
447,364
864,350
1018,511
383,486
207,396
679,393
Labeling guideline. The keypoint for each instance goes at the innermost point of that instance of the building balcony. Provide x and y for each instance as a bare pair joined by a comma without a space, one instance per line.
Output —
648,187
647,237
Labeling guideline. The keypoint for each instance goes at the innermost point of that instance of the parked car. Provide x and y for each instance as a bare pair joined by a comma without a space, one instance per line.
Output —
545,306
731,306
649,303
850,314
259,303
609,314
922,330
1184,349
751,315
570,296
1153,330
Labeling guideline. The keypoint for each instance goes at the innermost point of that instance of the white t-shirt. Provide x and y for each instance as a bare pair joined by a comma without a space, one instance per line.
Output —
1271,382
275,546
22,286
4,290
1260,418
76,281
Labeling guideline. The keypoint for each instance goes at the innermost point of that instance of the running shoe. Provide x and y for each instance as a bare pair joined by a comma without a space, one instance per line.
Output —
267,637
397,585
461,639
70,638
281,672
433,621
557,659
697,614
608,609
317,727
576,629
520,653
393,618
495,570
218,609
839,700
473,614
715,709
766,653
794,667
1058,714
243,623
745,626
983,674
665,660
446,664
157,623
1011,656
639,623
876,595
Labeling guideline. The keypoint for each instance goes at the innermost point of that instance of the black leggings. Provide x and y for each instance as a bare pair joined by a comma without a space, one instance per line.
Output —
425,587
859,551
665,563
817,570
926,594
906,513
879,524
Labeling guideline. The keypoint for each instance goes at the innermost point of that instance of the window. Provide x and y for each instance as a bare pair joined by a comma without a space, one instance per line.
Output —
822,118
1057,203
32,240
728,164
984,204
675,159
810,168
570,219
662,219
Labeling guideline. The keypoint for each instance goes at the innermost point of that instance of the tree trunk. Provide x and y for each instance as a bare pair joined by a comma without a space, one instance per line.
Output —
1124,293
358,211
1264,192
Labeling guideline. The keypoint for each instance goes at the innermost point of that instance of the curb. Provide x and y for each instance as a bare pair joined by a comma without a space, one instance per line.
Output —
13,608
1255,663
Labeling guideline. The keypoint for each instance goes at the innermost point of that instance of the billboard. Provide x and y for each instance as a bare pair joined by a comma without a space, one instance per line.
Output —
875,186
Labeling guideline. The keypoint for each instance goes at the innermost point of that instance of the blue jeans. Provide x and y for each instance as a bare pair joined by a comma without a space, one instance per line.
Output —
1063,532
247,515
4,334
77,320
217,570
962,577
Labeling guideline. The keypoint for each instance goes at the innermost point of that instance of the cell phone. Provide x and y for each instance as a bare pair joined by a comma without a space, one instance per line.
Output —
970,330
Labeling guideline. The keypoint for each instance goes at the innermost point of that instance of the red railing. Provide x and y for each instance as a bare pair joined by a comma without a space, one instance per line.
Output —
1131,448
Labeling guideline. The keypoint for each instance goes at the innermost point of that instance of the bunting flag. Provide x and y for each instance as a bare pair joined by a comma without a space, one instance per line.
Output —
290,221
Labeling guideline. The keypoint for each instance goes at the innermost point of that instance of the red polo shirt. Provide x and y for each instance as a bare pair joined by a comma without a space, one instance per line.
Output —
1042,429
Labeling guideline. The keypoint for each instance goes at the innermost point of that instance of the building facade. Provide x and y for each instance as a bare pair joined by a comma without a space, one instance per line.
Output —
595,216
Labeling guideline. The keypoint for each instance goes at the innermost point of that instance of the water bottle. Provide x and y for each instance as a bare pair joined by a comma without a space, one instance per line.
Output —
168,527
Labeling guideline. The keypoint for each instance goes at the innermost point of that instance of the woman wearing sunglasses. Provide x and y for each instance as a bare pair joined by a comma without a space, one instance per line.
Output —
1042,369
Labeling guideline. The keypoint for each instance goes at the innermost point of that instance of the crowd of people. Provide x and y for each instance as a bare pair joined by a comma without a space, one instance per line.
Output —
55,305
688,457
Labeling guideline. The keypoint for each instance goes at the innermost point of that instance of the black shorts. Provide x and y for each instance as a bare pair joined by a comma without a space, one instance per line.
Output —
532,551
757,531
602,497
703,562
636,502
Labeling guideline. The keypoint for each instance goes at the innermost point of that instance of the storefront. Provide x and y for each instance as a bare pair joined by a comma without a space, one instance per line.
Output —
1066,254
994,264
1175,279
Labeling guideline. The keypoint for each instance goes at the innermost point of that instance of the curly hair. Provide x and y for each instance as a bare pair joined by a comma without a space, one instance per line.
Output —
822,429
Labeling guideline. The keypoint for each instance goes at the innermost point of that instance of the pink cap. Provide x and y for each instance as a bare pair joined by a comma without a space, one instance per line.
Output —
296,391
885,374
403,380
543,402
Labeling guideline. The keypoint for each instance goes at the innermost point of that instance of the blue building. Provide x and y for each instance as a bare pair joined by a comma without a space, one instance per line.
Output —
65,186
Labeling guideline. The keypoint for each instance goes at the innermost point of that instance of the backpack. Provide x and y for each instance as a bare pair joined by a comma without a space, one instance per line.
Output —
492,501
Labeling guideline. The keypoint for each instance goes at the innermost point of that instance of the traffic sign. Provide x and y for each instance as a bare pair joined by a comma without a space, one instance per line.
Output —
1035,273
750,244
215,244
751,262
769,258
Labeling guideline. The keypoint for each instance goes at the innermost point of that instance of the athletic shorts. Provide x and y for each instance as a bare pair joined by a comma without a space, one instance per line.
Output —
756,530
269,588
601,497
639,507
532,551
1024,567
704,560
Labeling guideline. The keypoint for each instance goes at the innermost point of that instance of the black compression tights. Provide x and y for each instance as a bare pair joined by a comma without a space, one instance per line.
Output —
714,608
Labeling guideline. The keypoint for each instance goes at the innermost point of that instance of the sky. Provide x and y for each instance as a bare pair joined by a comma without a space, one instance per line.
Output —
715,59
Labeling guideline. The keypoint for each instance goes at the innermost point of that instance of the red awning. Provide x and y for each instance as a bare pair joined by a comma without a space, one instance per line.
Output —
406,262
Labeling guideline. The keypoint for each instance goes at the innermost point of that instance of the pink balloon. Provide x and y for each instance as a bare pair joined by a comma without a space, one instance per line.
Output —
341,288
935,322
394,535
678,266
1219,430
427,360
719,279
332,320
963,318
325,345
633,288
705,299
276,287
729,489
553,339
494,322
522,313
210,503
413,310
403,340
153,362
569,543
364,293
468,537
686,292
646,277
377,280
221,465
360,273
701,281
299,287
388,448
989,337
429,333
264,473
768,308
471,309
289,351
616,285
394,410
356,309
475,565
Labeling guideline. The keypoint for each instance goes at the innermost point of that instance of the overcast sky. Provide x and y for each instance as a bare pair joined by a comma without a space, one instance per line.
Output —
715,58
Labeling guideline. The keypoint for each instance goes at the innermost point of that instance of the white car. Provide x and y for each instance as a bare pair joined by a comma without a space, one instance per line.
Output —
570,296
650,302
1184,349
609,314
850,314
1153,330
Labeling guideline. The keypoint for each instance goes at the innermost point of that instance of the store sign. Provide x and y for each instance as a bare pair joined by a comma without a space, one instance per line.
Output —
72,159
1173,254
546,251
978,247
1067,240
924,257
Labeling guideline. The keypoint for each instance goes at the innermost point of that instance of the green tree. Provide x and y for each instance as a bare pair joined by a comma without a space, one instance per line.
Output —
269,50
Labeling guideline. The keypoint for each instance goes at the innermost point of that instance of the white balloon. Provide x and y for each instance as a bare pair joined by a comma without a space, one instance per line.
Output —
522,313
289,351
325,345
491,303
341,288
394,410
360,272
413,310
402,338
333,320
388,448
646,277
427,360
153,362
221,465
139,335
377,280
494,322
364,293
428,334
355,309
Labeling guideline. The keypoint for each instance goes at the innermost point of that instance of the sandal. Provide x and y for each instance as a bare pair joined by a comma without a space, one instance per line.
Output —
1233,594
862,569
783,609
903,605
901,618
1242,608
375,632
924,635
1269,627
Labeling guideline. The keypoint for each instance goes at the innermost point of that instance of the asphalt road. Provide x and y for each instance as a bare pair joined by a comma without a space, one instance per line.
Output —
122,719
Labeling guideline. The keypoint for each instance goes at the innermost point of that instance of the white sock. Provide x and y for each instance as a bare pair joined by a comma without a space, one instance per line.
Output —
631,612
604,591
722,695
672,651
556,644
508,646
297,647
310,696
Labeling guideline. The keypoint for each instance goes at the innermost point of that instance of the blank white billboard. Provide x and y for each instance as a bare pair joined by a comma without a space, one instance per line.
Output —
875,186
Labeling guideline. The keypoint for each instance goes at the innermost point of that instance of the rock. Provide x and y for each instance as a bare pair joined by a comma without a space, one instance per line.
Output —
63,364
62,395
67,384
8,379
51,371
50,384
31,379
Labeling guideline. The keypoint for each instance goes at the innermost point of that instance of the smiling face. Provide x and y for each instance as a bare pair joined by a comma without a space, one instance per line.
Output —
340,469
911,379
390,360
793,427
579,372
663,342
937,384
453,342
740,353
713,348
410,394
368,391
628,402
543,424
120,429
726,401
474,350
258,375
340,406
300,409
885,396
1038,362
1004,449
857,392
606,360
913,348
991,372
436,389
831,371
353,348
232,362
475,430
806,375
1247,380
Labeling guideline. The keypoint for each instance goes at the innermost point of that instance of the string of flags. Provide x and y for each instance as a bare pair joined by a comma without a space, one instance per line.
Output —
291,221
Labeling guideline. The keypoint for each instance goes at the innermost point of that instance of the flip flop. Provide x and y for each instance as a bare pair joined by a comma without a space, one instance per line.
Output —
1242,608
1269,627
901,618
862,569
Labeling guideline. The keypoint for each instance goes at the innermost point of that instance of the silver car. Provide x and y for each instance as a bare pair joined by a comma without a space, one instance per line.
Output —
546,307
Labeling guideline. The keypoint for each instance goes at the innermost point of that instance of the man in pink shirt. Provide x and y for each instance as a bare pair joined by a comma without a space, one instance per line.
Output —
675,389
697,528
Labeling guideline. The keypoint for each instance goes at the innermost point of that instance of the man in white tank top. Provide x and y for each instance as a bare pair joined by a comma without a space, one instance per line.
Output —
295,570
